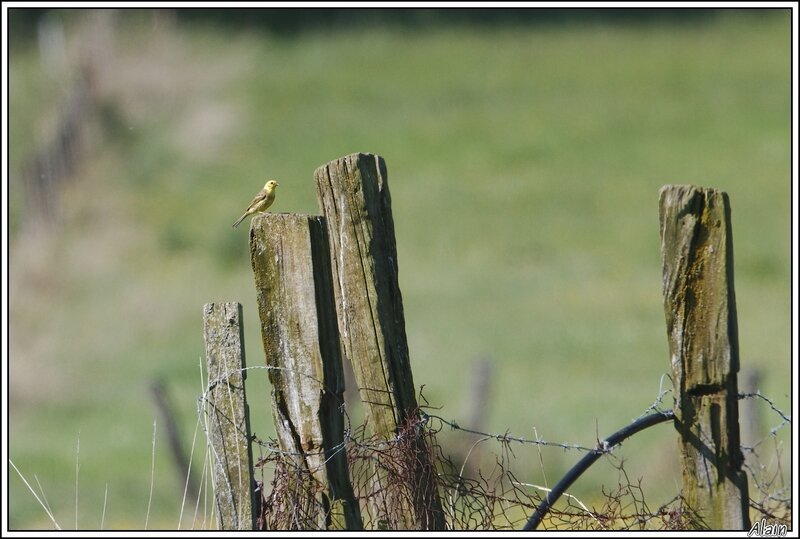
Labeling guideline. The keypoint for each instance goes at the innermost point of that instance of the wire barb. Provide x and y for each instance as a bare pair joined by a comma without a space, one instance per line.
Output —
478,496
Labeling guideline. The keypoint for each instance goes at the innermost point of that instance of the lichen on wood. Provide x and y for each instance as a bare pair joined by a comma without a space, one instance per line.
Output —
228,419
353,193
289,255
700,310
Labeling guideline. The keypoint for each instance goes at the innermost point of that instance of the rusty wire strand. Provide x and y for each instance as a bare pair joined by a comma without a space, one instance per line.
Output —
490,498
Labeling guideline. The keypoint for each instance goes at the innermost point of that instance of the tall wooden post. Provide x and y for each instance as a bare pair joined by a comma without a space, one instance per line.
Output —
354,196
700,308
228,419
289,254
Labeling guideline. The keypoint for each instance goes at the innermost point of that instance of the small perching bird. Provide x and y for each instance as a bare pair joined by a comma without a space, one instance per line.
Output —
261,201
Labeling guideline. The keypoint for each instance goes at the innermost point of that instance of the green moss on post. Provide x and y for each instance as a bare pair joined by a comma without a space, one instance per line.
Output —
291,265
353,193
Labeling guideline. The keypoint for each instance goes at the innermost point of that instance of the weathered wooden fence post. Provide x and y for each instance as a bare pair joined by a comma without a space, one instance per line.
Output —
354,196
700,308
291,265
228,420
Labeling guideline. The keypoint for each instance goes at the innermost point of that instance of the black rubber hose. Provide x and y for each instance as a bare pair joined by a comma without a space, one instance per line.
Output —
590,458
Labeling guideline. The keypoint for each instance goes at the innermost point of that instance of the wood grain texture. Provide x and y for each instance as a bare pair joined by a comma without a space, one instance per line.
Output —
353,193
354,196
291,266
228,419
700,309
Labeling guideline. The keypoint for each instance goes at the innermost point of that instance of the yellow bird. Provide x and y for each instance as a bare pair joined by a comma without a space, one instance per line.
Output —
261,202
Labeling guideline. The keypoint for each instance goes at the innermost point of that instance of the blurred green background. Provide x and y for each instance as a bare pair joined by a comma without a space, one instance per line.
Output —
525,152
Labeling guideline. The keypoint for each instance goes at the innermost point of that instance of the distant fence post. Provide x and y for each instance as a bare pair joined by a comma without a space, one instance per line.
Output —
354,196
700,309
291,265
228,420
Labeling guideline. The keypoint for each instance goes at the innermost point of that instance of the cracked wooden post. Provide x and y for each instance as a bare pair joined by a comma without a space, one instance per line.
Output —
228,420
700,308
289,255
354,196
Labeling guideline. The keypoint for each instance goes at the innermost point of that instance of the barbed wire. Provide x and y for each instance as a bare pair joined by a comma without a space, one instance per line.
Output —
504,438
662,392
483,501
771,404
424,418
492,499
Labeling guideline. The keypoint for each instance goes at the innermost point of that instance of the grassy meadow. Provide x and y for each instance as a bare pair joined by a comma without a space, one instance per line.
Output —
524,165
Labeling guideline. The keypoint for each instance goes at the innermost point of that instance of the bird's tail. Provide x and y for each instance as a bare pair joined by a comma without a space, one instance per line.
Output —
239,221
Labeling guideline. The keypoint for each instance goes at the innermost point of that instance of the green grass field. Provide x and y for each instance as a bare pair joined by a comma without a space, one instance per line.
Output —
524,166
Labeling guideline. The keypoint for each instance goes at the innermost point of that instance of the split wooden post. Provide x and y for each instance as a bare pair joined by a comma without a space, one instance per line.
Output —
700,308
227,413
354,196
291,265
